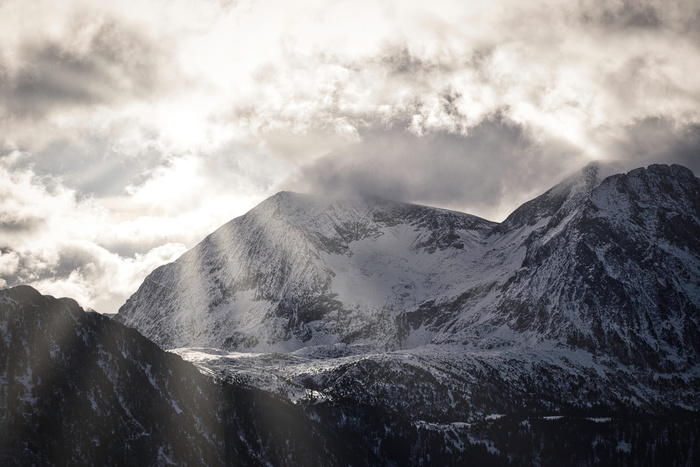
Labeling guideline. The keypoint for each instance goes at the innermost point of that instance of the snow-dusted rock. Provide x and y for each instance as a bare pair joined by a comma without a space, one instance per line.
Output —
586,296
299,271
596,261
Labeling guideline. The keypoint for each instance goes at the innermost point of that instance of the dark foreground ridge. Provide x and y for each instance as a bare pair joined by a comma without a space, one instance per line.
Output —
79,389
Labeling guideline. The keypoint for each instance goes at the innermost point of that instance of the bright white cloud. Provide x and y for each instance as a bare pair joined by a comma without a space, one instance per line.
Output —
193,75
52,239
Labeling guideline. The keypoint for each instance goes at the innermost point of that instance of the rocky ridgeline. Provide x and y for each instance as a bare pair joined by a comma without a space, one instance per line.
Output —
587,297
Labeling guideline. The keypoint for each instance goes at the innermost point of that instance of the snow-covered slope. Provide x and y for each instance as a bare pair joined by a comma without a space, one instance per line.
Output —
587,296
603,263
298,271
79,389
611,266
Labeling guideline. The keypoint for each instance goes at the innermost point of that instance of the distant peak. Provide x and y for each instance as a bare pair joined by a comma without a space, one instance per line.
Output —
596,171
565,196
285,194
674,170
282,198
604,169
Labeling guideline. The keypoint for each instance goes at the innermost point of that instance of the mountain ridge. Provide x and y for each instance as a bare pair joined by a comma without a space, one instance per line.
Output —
79,389
415,334
274,229
588,295
292,251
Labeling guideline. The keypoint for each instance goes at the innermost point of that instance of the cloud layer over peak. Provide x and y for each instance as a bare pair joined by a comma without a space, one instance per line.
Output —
148,124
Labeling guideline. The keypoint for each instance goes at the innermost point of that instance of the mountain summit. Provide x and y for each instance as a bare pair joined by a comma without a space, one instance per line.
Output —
585,298
605,263
298,271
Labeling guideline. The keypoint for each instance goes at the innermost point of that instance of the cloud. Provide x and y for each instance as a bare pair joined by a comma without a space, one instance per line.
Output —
653,139
98,250
130,129
52,238
193,79
71,68
99,279
558,71
94,165
110,63
490,169
99,59
621,16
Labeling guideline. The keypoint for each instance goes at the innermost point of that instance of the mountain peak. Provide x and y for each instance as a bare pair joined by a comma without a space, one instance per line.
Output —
651,196
675,170
302,270
25,294
296,259
571,194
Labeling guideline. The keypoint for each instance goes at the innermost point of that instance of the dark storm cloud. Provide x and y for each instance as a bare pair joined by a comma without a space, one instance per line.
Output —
16,225
398,59
34,268
75,258
625,16
63,265
657,139
96,65
480,169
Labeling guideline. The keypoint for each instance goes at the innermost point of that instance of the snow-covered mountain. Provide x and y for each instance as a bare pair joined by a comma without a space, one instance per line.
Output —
298,271
79,389
365,331
587,296
602,263
610,265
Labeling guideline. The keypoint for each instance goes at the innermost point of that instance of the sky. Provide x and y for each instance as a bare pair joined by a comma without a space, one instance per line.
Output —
131,129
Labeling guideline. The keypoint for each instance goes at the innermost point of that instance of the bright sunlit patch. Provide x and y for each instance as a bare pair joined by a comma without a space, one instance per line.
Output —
183,126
